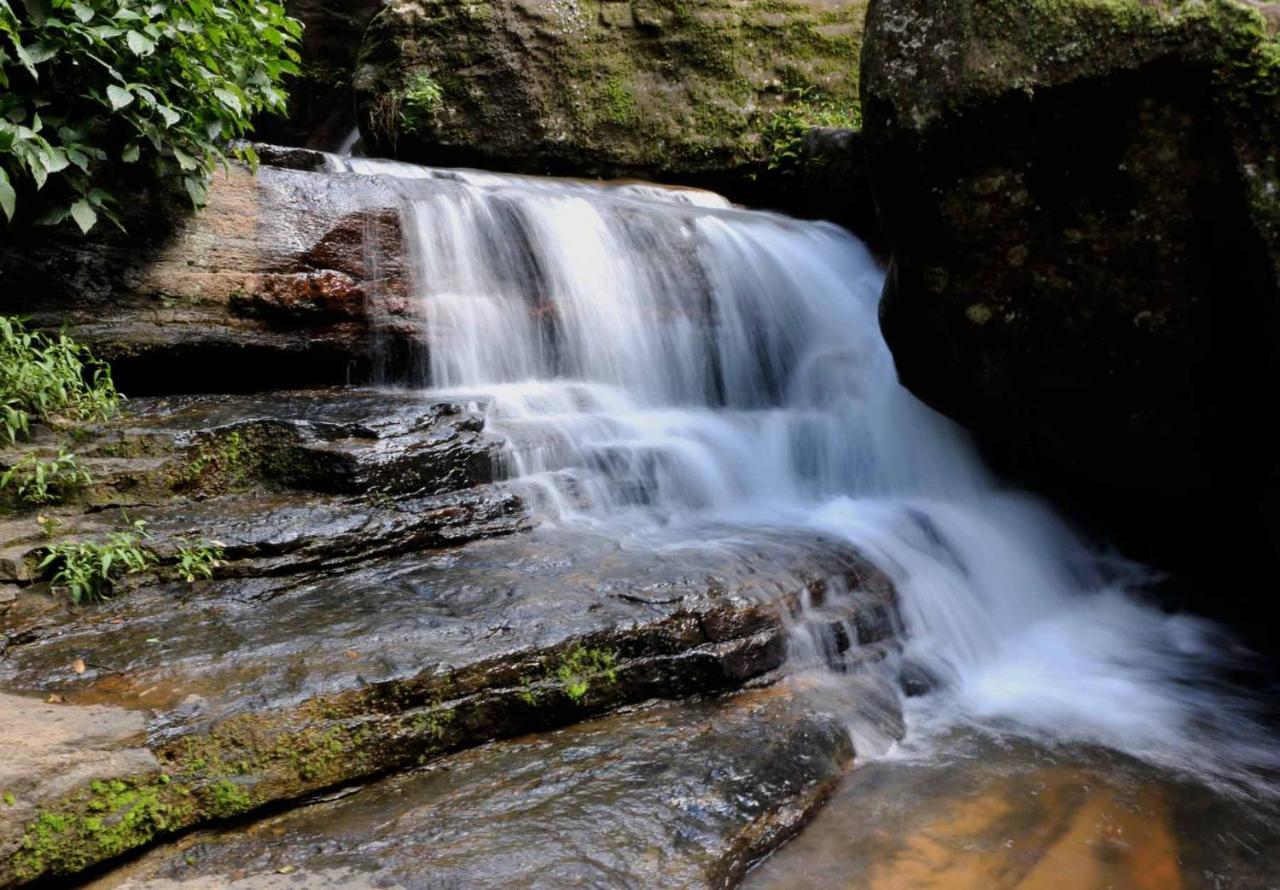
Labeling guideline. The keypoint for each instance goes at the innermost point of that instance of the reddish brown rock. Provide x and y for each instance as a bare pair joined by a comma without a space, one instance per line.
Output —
274,282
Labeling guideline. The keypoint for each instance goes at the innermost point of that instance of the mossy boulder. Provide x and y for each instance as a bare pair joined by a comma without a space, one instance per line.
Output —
1083,203
708,93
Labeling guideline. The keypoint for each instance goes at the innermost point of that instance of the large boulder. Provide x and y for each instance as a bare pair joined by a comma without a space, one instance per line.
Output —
1083,203
718,93
288,276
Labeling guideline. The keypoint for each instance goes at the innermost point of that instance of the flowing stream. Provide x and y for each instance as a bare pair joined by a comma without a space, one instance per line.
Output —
662,364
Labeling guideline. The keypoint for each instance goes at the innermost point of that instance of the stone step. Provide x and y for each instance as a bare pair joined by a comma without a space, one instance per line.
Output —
259,693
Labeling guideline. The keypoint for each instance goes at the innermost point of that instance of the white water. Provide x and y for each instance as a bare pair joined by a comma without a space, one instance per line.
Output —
659,361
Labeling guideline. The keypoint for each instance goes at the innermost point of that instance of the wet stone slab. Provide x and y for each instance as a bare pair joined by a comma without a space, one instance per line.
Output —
256,693
677,795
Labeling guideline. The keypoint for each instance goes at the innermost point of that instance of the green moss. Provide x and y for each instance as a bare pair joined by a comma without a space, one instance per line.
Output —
228,799
107,819
220,462
688,88
581,667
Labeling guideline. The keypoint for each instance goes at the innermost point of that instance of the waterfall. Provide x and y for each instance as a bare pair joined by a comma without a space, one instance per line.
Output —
659,362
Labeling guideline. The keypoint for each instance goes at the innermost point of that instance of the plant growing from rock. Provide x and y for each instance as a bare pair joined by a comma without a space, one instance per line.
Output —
35,481
197,560
47,378
786,128
89,570
91,90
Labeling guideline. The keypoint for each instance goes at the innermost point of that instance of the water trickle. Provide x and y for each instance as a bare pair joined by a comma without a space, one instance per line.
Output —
661,363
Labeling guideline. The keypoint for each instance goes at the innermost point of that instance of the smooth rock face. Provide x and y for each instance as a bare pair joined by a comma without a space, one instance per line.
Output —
1080,200
288,276
675,795
657,89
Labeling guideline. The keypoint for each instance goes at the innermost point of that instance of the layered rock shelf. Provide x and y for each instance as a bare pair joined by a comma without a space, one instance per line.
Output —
351,632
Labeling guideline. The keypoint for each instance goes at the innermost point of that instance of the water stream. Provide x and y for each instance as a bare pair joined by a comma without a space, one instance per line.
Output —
661,363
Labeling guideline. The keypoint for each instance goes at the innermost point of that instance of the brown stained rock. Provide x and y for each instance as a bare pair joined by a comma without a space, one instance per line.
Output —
276,279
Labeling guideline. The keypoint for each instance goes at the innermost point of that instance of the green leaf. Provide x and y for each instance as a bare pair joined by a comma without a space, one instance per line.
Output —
8,198
84,215
140,43
83,13
119,96
229,99
185,161
130,153
197,189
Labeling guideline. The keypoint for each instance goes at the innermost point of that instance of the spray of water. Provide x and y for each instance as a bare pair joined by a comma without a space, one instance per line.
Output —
658,362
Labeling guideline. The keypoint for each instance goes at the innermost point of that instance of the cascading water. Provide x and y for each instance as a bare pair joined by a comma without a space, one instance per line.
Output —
661,363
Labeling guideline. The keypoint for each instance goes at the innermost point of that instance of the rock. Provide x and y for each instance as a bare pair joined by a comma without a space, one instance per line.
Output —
50,750
1080,198
708,94
288,276
321,104
673,795
388,664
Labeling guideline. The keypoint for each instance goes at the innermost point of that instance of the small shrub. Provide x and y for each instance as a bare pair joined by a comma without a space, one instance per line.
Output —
88,570
37,481
196,560
420,99
43,377
786,128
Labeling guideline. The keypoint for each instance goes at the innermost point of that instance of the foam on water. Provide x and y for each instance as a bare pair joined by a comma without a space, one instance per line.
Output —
658,360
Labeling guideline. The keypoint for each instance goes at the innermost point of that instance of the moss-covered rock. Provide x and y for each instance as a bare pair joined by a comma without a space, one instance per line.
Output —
1081,198
669,89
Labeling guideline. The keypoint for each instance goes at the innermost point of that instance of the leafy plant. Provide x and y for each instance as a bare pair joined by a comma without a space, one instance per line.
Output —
421,97
88,570
92,89
785,130
37,481
197,559
43,377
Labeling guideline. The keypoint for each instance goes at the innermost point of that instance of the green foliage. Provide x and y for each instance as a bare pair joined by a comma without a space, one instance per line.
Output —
419,100
89,570
92,88
44,377
786,128
37,481
581,667
197,559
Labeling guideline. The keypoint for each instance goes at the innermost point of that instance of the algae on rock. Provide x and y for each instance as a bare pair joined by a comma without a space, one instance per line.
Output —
666,89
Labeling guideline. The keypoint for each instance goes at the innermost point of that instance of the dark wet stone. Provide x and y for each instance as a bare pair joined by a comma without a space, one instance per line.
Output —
1081,201
390,663
676,795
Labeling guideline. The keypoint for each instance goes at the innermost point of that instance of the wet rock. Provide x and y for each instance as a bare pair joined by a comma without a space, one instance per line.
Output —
51,750
656,89
1081,203
390,663
286,277
676,795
